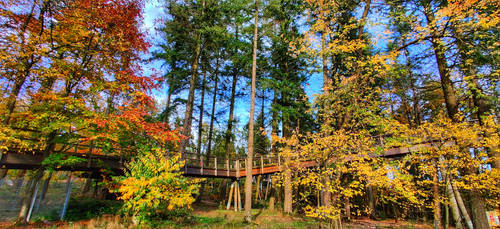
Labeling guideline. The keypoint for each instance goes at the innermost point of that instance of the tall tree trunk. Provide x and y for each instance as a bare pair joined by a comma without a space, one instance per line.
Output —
212,117
479,211
461,205
188,118
324,60
274,123
455,212
166,117
450,97
287,203
248,178
371,201
229,131
200,120
436,198
476,91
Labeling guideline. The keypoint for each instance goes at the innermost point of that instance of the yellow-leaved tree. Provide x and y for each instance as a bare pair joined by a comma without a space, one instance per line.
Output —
153,185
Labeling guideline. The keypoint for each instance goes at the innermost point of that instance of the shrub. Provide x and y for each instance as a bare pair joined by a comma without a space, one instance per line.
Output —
154,185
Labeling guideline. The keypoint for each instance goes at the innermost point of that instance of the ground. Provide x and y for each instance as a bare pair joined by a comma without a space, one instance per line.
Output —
92,213
210,215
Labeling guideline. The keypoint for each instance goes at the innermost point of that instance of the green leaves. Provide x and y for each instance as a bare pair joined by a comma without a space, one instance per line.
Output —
57,160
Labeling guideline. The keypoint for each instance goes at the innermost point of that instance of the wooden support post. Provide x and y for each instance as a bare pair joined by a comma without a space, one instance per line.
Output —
45,187
267,185
201,169
215,162
33,199
239,197
68,194
230,196
236,190
227,166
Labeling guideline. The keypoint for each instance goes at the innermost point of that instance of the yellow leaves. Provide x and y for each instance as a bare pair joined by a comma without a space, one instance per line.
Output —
155,183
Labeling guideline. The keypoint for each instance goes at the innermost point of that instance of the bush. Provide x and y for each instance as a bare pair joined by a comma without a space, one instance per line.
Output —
153,185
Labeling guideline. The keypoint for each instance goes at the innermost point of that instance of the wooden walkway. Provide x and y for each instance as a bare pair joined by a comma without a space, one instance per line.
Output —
96,163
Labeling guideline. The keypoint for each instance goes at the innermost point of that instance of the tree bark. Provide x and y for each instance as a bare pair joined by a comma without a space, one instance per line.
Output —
229,131
450,97
212,118
461,205
188,118
455,212
324,60
248,166
166,117
287,203
347,208
200,120
436,198
371,202
479,211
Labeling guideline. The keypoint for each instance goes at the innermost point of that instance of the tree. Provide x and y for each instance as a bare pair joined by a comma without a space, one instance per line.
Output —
153,185
249,163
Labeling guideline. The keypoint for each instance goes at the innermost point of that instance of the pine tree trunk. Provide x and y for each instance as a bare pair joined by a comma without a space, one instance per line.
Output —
200,120
229,132
444,73
248,178
188,118
274,123
166,118
212,118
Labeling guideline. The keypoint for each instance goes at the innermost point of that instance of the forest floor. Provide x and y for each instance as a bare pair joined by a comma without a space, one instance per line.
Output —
210,215
93,213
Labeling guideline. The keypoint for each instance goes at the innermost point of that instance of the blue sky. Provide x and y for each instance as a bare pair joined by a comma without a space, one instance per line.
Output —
153,12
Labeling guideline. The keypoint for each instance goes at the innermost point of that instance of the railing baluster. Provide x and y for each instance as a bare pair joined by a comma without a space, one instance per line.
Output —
261,165
201,170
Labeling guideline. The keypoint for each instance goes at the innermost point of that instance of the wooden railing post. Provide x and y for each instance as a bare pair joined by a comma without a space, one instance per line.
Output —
201,169
237,168
261,165
227,166
215,161
279,162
